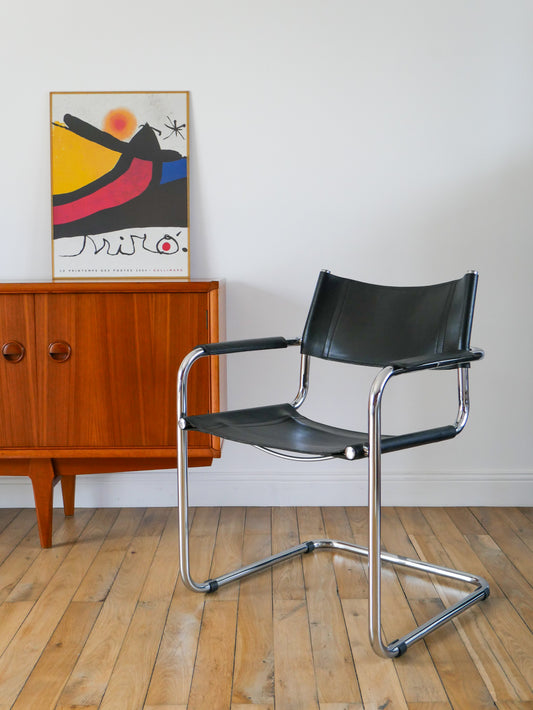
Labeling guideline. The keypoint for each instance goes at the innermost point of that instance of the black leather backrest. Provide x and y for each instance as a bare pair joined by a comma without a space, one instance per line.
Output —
362,323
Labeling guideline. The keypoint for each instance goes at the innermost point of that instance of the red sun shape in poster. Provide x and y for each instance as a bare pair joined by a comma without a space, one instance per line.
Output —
120,122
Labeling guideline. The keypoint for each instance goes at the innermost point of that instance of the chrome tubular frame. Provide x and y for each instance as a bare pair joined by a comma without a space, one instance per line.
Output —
305,363
375,556
374,553
183,473
464,398
290,457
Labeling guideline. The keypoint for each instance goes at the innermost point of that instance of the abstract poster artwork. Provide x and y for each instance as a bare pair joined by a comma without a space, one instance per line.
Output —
120,205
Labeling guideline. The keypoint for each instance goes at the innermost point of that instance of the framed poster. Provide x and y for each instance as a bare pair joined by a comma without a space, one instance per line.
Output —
120,197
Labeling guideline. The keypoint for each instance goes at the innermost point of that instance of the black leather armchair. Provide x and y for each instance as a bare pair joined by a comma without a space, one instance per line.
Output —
395,329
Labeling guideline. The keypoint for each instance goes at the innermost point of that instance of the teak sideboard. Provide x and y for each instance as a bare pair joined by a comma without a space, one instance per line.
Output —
88,380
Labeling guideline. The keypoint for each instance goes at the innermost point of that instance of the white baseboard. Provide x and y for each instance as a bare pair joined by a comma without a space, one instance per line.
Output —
209,488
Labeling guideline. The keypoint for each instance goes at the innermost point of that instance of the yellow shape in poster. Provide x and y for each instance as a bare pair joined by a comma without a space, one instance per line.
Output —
76,161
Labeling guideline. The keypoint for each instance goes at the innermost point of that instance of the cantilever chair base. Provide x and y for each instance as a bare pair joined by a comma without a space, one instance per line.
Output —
394,649
404,330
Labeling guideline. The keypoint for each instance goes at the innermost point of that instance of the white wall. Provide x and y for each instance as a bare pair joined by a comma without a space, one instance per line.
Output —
388,141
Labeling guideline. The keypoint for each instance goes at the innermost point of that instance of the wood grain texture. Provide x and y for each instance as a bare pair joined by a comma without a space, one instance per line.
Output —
90,677
295,682
212,678
59,656
19,404
21,655
172,674
40,568
102,621
127,340
380,684
126,349
253,675
110,403
332,654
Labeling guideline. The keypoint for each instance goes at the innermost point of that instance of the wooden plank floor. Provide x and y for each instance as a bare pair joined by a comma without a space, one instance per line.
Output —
102,620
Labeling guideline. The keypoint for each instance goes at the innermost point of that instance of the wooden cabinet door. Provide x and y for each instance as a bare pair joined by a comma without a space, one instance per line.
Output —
18,384
178,323
112,381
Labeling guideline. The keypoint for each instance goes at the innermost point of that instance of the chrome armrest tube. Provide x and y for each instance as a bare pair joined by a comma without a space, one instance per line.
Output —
464,398
303,389
183,374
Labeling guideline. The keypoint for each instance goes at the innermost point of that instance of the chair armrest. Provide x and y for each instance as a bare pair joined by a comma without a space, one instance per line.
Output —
240,346
224,348
438,361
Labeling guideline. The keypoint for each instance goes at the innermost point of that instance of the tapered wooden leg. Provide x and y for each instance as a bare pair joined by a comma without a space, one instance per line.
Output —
68,489
43,479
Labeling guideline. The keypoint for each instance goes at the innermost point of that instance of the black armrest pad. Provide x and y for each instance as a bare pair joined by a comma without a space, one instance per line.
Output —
239,346
438,360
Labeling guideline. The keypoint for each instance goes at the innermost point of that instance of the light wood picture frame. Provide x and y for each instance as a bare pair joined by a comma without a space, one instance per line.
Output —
120,187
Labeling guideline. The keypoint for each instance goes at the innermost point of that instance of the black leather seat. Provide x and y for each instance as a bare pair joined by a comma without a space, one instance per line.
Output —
395,329
282,427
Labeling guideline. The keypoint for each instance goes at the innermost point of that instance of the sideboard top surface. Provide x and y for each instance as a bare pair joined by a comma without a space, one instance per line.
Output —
108,286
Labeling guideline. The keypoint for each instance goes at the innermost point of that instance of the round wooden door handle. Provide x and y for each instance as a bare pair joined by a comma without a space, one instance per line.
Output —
13,351
59,351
